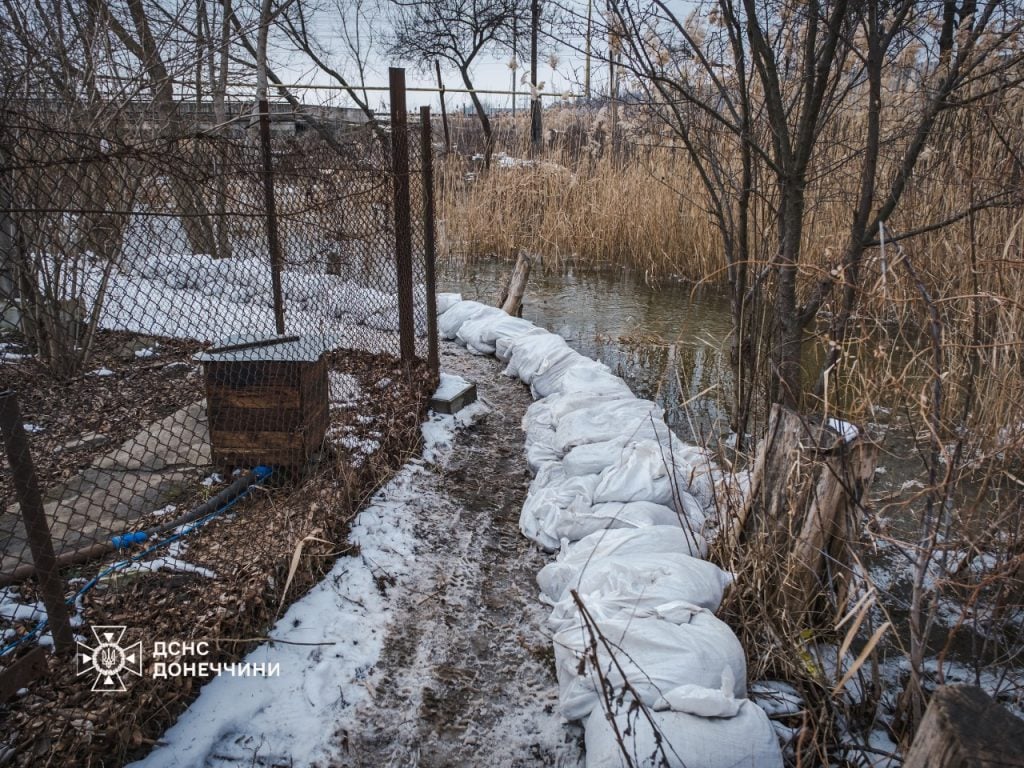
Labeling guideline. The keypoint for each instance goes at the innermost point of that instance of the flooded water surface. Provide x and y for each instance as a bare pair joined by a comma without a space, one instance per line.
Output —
669,342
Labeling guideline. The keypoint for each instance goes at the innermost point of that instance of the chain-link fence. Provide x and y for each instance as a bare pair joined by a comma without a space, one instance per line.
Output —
199,308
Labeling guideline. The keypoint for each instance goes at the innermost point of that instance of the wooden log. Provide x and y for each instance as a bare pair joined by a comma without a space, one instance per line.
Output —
512,298
964,728
802,512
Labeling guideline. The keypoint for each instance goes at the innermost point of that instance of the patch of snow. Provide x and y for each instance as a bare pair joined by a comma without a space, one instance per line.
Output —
14,608
103,371
361,445
168,563
846,430
450,386
214,479
438,431
33,428
144,353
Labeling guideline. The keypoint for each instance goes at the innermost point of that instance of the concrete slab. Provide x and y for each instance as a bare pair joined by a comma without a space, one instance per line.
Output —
142,474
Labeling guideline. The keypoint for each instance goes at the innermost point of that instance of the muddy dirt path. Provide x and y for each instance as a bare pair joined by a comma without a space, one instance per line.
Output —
466,677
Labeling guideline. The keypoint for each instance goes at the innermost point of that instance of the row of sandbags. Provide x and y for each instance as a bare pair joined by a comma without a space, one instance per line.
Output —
629,507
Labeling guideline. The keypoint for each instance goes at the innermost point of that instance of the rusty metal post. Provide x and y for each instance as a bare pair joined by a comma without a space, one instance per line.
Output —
429,248
403,213
273,240
51,587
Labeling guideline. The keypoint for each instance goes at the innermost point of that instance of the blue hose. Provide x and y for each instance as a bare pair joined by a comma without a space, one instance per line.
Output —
260,473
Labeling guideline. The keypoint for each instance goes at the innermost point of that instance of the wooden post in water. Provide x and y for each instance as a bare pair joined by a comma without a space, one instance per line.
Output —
964,728
512,298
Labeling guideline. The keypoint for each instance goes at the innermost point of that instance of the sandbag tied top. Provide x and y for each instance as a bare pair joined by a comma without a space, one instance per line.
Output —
555,578
481,334
653,654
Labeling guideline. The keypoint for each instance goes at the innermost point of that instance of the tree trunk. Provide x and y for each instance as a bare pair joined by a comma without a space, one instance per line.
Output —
965,728
802,511
788,372
481,113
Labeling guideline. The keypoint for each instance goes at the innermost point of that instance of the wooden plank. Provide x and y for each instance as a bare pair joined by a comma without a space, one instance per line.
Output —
251,441
254,373
253,397
230,419
315,430
279,457
22,672
964,728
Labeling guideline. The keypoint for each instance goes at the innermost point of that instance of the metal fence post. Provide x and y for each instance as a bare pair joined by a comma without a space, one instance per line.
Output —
273,239
23,473
429,254
403,213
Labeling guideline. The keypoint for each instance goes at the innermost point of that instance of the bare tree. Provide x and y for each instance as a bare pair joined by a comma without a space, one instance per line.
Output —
458,32
355,33
751,90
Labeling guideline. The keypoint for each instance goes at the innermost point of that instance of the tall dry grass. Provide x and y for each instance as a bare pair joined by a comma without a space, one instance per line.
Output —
644,209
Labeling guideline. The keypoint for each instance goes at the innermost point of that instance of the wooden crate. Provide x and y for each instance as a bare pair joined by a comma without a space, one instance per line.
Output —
265,404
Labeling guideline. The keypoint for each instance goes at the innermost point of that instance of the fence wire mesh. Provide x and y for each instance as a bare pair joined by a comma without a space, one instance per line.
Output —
141,337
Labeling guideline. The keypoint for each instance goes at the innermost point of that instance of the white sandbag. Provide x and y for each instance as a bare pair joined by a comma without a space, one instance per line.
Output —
481,333
642,473
549,381
549,411
449,323
551,496
532,355
701,701
683,740
578,520
540,453
592,381
658,602
661,576
654,655
593,458
555,577
446,301
503,344
634,419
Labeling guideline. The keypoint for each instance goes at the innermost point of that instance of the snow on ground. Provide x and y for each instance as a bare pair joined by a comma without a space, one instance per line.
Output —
373,661
198,297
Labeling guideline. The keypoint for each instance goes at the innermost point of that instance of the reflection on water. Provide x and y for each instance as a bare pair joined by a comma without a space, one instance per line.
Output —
669,343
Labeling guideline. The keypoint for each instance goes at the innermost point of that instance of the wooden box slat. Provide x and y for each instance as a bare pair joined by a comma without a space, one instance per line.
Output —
268,412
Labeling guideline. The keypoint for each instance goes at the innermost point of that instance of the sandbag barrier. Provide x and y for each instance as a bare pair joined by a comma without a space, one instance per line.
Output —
630,508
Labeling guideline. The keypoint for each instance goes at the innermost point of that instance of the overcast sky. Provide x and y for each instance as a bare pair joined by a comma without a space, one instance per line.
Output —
491,72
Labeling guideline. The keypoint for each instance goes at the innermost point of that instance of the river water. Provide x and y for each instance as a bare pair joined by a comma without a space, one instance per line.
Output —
669,343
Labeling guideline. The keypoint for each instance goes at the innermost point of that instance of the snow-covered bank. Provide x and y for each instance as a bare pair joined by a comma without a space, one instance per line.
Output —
638,651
